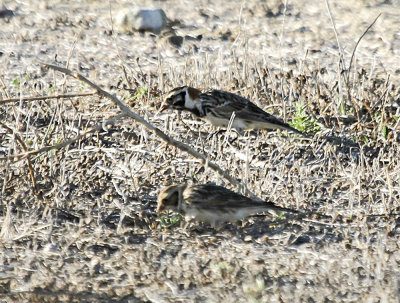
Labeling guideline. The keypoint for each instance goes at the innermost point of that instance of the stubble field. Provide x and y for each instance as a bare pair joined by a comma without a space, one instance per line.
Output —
78,221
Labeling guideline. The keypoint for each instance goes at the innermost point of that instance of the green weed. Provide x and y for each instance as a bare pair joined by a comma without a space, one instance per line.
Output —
302,121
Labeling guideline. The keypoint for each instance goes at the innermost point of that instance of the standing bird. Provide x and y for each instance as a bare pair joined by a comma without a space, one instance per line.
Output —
211,203
217,107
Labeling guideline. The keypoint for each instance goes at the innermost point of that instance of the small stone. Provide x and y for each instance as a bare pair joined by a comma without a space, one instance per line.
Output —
248,238
153,20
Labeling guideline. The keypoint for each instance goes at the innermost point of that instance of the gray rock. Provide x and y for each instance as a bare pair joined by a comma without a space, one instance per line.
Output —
153,20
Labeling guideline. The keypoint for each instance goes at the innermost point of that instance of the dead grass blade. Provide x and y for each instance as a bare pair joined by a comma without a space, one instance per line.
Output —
42,98
97,127
358,42
28,160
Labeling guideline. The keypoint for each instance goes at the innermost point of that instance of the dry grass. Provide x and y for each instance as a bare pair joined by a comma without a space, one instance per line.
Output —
85,230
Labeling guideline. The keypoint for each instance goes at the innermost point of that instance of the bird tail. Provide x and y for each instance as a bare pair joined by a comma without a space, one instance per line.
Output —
272,206
292,129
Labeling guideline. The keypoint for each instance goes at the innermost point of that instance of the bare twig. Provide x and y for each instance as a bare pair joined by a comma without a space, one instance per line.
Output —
127,111
4,101
355,47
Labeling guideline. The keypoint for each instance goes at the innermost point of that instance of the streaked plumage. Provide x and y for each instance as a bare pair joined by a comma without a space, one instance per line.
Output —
217,107
211,203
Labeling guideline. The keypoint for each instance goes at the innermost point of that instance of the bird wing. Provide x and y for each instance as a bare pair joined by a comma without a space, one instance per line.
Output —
225,103
209,196
222,104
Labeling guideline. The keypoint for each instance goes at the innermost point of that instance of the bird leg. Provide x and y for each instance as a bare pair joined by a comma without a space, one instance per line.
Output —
234,139
220,131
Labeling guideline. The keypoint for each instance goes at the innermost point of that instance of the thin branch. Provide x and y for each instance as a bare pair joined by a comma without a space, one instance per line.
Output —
355,47
4,101
156,131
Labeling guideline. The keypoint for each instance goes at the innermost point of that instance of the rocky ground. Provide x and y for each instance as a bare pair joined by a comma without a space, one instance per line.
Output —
78,221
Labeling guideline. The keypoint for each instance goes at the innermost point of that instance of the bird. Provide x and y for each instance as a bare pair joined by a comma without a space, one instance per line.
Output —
217,106
211,203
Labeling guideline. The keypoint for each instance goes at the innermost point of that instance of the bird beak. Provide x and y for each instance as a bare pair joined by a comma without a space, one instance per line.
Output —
164,107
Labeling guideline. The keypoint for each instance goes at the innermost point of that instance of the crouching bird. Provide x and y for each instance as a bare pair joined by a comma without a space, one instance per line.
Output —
211,203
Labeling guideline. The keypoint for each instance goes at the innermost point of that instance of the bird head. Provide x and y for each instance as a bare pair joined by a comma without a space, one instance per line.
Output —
181,98
169,198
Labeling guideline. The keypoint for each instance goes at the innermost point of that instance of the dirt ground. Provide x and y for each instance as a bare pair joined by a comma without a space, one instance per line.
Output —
78,222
